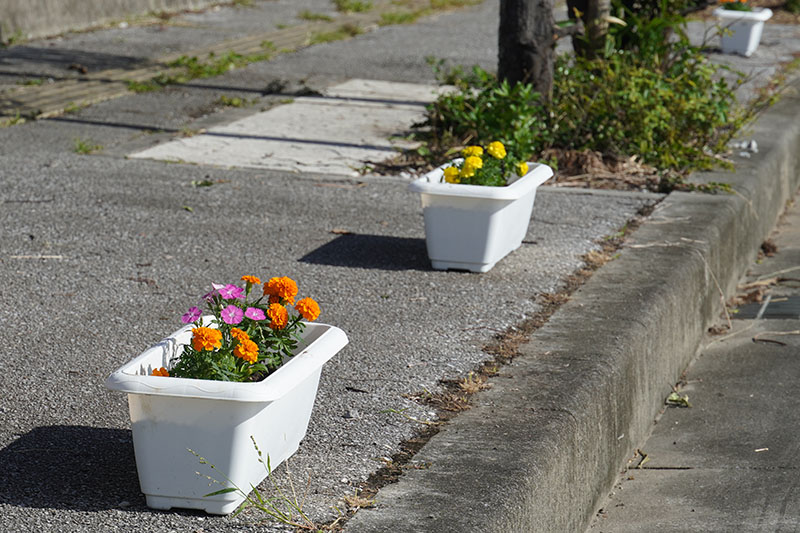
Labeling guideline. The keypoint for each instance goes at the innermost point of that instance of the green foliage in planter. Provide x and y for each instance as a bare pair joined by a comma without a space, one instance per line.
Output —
734,5
653,95
481,109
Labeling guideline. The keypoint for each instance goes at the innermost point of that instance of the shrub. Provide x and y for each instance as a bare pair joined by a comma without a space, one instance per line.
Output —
652,94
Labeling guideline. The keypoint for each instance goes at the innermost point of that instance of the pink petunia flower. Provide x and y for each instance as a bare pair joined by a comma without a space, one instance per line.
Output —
231,292
191,315
231,315
255,313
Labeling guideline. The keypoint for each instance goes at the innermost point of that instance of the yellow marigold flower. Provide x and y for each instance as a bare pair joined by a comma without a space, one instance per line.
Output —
522,168
467,171
206,339
496,150
451,175
253,280
283,288
278,315
474,161
472,150
239,335
247,350
160,372
308,309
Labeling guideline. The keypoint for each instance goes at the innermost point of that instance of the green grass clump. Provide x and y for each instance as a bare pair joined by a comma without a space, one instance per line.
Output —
234,101
311,16
352,6
399,17
188,68
85,146
346,31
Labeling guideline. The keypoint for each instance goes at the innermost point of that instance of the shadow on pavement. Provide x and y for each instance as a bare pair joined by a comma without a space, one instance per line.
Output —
71,467
63,58
372,251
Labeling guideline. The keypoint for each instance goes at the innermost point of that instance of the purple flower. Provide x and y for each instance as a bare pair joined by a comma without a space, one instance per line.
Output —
231,292
255,313
191,315
231,315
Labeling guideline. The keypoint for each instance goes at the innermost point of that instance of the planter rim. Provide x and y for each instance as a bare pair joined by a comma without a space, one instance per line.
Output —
758,14
323,342
431,183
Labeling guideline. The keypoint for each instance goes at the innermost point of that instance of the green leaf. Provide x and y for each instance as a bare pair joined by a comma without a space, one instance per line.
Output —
221,491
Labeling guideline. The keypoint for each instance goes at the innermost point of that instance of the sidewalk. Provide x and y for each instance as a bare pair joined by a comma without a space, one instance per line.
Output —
101,253
728,463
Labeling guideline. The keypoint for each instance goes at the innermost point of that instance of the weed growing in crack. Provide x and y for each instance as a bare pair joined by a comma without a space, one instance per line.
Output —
85,146
352,6
344,32
285,508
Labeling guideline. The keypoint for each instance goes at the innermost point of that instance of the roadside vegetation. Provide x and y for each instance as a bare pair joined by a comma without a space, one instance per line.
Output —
642,112
186,68
85,146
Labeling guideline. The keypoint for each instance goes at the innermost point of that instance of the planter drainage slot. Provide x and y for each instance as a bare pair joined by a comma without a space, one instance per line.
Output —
773,307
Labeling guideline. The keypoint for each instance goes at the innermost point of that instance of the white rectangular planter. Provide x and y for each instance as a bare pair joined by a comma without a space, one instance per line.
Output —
217,419
745,28
472,227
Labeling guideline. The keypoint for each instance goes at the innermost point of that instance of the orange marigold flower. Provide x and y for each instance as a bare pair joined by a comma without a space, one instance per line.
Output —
247,350
252,280
278,315
283,288
308,309
206,339
160,372
239,335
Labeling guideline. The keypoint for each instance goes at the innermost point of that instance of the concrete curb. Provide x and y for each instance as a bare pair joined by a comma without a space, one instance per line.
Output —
539,450
37,18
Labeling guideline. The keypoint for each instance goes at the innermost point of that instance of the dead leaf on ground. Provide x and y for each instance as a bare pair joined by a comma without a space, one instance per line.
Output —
769,248
677,400
718,330
473,383
596,258
356,501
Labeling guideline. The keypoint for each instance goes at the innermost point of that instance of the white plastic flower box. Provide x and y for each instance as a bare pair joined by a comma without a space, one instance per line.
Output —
217,420
743,29
472,227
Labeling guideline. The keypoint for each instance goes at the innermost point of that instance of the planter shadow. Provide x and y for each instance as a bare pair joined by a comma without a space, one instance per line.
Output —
71,467
372,251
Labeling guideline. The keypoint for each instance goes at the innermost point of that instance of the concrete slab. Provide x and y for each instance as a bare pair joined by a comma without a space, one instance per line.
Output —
342,131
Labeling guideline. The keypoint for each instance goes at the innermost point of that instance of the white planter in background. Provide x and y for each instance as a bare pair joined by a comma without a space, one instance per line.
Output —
217,419
745,28
472,227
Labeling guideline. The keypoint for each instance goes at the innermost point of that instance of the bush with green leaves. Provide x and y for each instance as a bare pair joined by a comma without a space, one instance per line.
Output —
481,109
652,94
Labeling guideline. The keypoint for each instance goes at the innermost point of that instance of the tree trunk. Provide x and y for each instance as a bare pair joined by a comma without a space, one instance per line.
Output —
594,15
527,44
